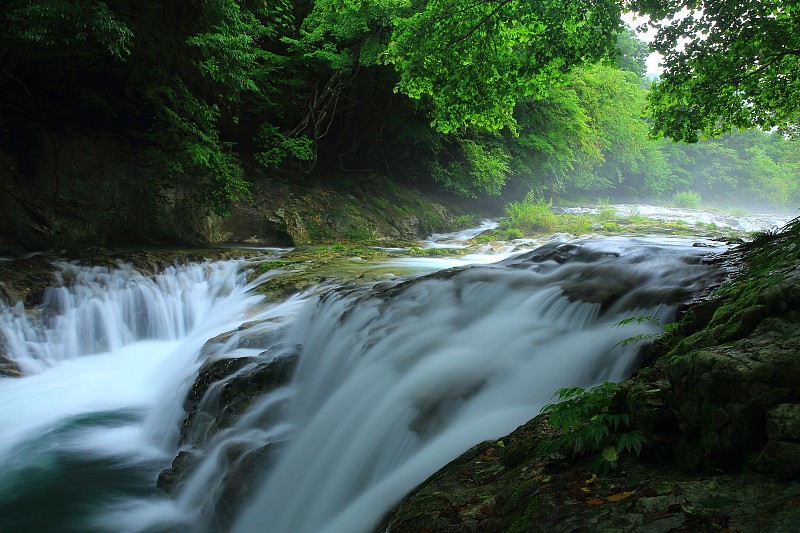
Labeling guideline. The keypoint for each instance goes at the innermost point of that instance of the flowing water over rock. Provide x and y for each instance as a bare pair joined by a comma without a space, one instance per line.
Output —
739,222
315,414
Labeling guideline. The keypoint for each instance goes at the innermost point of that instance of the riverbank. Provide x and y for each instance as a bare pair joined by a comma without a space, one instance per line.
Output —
717,403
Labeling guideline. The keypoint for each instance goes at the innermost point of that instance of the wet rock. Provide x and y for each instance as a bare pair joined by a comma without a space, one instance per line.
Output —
244,474
240,392
779,459
26,279
225,388
780,456
214,345
8,368
173,478
212,372
783,422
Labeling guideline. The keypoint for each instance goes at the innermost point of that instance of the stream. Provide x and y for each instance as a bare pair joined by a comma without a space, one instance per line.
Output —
391,380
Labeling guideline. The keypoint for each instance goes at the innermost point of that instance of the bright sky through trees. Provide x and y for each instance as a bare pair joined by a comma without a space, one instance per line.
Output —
654,58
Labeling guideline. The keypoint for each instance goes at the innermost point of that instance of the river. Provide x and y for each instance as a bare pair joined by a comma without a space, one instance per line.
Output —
393,379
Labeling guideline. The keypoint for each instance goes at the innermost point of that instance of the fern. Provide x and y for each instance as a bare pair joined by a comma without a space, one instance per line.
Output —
665,328
585,427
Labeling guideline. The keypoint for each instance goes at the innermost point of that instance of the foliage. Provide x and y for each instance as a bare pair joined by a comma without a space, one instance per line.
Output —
686,199
478,167
727,65
69,28
531,215
633,53
585,426
478,58
486,97
665,328
277,147
555,149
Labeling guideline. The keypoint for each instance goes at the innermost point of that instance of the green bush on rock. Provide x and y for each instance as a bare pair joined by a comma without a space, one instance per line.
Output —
585,426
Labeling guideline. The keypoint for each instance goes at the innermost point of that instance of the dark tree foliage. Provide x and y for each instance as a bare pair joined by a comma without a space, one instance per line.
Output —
476,96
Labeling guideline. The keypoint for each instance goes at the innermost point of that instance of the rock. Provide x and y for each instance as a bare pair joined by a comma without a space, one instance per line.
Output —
210,373
173,478
245,472
780,456
8,368
212,346
225,388
722,394
783,422
779,459
373,208
561,498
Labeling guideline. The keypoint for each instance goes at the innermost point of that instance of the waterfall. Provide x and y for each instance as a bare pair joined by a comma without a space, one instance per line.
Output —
108,359
396,382
389,382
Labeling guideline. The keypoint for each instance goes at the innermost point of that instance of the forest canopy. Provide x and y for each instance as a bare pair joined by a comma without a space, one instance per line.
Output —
728,65
495,97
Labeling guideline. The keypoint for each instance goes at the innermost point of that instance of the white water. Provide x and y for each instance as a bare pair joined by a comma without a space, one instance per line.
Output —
393,382
406,382
457,239
744,223
108,364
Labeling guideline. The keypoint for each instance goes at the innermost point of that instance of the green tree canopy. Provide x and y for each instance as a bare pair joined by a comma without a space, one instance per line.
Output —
728,64
475,59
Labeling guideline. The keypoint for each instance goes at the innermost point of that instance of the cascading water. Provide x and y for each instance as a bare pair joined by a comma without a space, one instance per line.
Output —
390,381
108,360
396,381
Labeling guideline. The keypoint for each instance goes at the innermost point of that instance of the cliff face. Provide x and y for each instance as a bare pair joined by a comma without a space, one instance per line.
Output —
63,189
98,188
718,403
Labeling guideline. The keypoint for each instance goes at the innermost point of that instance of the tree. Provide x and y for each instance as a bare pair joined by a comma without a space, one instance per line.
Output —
421,89
728,64
633,52
475,58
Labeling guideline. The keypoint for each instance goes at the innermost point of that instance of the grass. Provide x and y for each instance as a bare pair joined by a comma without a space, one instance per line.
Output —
605,211
534,217
687,199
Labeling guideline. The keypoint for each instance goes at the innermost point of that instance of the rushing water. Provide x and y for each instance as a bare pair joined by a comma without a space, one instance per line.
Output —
739,222
393,380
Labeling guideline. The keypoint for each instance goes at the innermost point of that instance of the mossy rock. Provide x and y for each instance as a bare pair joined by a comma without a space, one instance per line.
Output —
370,208
8,368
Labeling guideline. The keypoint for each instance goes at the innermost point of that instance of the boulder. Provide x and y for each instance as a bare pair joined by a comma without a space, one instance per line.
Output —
724,395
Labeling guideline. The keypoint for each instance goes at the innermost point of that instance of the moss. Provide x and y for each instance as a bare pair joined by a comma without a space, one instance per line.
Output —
535,220
437,252
759,291
530,516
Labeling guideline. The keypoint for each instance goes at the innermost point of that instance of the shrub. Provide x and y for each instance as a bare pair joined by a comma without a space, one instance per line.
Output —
687,199
585,426
463,221
531,214
605,211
